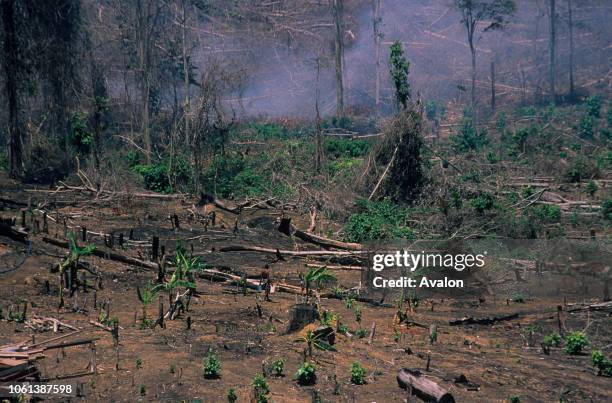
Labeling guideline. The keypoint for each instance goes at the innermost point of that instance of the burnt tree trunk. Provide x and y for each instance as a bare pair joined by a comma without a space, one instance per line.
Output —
425,388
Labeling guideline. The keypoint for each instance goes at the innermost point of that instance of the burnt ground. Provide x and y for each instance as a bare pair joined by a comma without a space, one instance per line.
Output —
503,359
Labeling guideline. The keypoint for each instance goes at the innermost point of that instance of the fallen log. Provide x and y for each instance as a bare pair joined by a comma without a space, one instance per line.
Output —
108,255
601,306
482,321
286,228
18,236
241,248
209,199
428,390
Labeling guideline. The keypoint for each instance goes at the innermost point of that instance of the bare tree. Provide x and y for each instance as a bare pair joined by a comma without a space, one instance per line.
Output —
377,37
552,44
495,13
337,11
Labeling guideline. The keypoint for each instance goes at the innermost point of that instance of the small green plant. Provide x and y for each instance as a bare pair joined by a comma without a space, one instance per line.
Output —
482,203
349,301
361,333
593,105
518,298
591,188
231,396
260,387
552,340
143,390
211,366
514,399
358,311
306,374
575,342
358,374
146,296
469,137
278,366
378,220
138,363
328,318
397,335
314,340
602,363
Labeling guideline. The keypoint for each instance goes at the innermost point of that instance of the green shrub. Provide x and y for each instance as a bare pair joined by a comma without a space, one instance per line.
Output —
514,399
469,138
602,363
575,342
358,374
361,333
166,175
580,168
377,220
609,116
518,298
593,105
337,147
606,209
586,126
278,367
591,188
306,375
80,135
552,340
544,213
268,131
212,366
483,203
260,385
231,396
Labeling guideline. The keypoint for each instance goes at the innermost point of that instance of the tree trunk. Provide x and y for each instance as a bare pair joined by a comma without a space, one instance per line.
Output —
552,44
571,50
493,85
424,388
337,11
473,87
319,130
11,60
145,85
376,25
186,75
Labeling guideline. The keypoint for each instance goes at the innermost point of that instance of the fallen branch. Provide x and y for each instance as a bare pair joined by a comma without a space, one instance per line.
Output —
414,381
482,321
241,248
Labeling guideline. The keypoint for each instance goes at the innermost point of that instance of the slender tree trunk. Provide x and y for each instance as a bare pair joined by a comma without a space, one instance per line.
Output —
376,25
553,39
473,87
493,85
319,134
571,45
337,11
186,75
11,60
99,94
145,85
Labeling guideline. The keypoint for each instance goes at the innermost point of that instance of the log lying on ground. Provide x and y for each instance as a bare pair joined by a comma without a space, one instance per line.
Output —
425,388
601,306
209,199
287,229
482,321
18,236
241,248
108,255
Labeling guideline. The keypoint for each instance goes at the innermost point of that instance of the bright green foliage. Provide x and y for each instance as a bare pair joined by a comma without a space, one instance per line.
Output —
80,135
358,374
184,274
361,333
342,328
514,399
544,213
328,318
357,310
260,387
314,340
469,138
278,366
399,69
581,167
552,340
319,276
593,105
482,203
586,126
377,220
306,374
336,148
166,175
575,342
211,366
602,363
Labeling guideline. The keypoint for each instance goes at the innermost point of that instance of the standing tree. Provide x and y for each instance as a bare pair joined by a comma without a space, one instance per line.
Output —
570,23
552,44
495,13
337,11
377,37
399,69
11,65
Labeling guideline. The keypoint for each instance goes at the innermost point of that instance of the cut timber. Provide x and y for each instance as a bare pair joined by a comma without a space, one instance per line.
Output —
482,321
426,389
326,242
241,248
602,306
108,255
6,230
209,199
